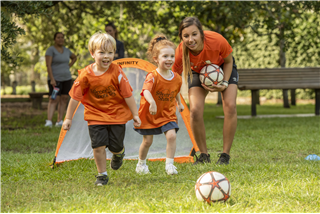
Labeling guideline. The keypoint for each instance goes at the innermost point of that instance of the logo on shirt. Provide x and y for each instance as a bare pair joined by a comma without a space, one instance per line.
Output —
103,92
166,95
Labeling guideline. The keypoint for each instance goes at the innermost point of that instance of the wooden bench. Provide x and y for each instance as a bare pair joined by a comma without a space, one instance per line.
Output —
36,99
279,78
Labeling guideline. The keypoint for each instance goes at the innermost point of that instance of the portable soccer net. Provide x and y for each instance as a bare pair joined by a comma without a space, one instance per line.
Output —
76,144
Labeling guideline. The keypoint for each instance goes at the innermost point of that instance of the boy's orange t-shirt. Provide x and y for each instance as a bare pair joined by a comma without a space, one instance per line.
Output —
103,96
215,49
164,93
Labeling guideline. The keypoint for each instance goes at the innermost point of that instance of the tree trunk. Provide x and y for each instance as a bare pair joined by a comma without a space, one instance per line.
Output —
219,102
282,58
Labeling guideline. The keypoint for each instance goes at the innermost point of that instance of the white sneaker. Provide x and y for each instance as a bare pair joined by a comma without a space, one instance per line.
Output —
59,124
142,169
171,169
48,123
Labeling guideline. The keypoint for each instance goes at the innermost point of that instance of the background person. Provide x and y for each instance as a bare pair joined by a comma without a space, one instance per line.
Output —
58,68
111,29
198,48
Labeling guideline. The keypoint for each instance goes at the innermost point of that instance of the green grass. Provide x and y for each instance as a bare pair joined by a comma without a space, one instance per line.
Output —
267,171
16,100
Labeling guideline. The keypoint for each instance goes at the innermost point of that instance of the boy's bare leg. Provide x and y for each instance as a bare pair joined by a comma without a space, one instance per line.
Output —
100,157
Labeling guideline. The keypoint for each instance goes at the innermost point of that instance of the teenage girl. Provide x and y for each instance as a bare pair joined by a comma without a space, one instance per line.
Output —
197,49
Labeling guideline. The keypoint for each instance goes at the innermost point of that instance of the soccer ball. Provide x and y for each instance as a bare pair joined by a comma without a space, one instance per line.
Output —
211,74
212,187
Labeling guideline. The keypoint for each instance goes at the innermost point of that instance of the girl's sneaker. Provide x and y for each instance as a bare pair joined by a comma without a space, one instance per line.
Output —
171,169
142,169
48,123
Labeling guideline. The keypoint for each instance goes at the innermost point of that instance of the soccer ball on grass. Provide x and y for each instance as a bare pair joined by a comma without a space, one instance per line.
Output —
213,187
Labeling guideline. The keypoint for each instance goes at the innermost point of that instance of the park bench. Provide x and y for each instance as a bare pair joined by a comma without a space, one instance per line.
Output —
279,78
36,99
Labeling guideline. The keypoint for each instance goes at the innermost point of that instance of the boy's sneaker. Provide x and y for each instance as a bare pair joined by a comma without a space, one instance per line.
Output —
48,123
203,158
171,169
116,161
59,124
142,169
223,159
101,180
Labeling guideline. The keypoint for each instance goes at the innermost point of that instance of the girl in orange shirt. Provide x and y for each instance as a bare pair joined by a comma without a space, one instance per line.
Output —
157,110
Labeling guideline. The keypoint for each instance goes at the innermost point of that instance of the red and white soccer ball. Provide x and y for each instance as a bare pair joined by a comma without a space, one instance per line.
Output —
213,187
211,74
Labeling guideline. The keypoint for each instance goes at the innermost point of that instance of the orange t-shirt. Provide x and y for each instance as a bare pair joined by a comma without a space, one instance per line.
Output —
103,96
215,48
164,93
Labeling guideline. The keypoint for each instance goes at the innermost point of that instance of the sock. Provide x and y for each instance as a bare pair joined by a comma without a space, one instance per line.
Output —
103,173
118,153
169,160
142,162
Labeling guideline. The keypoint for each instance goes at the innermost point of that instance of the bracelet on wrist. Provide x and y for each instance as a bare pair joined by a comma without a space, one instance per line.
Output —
225,83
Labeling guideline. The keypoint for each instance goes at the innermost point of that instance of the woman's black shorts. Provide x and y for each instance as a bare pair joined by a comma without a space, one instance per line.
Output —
64,87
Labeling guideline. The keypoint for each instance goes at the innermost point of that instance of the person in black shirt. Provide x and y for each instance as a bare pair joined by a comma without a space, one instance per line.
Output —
111,29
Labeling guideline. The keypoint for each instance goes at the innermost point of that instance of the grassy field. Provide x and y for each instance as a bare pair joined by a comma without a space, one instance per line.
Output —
268,171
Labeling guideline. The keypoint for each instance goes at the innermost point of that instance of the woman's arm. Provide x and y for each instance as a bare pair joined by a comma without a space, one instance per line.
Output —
49,70
73,58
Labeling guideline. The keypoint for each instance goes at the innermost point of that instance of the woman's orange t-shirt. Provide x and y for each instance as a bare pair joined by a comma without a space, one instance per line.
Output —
164,93
103,96
215,49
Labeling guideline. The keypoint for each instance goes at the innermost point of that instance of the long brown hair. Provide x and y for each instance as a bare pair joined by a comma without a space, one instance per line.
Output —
187,22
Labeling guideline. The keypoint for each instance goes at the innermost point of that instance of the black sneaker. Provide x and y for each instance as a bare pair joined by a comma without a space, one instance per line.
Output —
223,159
203,158
116,161
101,180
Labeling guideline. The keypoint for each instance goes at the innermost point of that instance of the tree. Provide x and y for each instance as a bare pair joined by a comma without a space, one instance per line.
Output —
10,10
279,19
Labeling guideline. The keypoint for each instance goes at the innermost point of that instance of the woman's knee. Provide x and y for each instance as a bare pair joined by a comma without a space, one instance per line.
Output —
230,108
195,114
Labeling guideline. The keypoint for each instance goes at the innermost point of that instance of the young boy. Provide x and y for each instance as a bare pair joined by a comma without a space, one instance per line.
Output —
104,90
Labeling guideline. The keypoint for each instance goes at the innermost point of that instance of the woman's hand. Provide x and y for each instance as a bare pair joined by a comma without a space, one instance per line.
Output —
214,88
53,82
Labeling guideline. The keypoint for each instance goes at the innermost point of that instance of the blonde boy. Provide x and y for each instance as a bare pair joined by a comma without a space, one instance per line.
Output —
105,92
